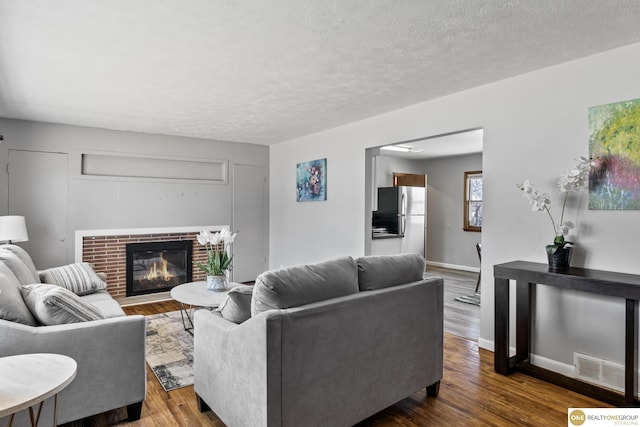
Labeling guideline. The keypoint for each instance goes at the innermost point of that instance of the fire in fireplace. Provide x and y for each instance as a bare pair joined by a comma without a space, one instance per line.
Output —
157,266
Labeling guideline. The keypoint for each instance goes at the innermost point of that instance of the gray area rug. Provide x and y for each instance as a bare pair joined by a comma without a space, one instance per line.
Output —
469,299
169,350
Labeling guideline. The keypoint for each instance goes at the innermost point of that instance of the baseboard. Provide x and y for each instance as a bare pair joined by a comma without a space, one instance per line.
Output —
453,266
485,344
541,361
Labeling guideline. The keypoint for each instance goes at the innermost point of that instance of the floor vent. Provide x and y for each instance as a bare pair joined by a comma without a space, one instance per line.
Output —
599,371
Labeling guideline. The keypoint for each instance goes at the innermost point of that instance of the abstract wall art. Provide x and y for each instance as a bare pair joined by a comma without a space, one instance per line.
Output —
311,181
614,147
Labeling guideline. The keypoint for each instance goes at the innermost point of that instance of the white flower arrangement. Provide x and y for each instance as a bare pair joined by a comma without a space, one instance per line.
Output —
218,261
571,180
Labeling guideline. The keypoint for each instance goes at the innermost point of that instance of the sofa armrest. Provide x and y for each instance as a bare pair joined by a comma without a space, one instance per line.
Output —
232,366
110,354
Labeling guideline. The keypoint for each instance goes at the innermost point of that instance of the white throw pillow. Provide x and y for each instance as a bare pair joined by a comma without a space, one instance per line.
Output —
79,278
55,305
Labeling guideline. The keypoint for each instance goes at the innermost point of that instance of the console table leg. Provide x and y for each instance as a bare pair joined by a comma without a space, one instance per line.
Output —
630,352
501,327
523,319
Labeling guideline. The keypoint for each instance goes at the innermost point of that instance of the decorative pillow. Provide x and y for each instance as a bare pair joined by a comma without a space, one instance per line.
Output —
55,305
18,267
237,306
304,284
383,271
79,278
12,307
25,257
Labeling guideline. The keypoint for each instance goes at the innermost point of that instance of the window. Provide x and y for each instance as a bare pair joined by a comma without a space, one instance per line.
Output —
473,201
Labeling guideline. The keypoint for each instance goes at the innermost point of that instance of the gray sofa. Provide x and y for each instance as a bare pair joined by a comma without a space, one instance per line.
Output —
327,344
109,351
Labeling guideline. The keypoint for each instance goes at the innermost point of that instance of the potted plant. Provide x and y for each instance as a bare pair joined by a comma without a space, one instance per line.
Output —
218,259
572,180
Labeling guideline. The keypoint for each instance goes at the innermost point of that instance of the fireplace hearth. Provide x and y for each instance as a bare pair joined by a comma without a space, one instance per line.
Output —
157,266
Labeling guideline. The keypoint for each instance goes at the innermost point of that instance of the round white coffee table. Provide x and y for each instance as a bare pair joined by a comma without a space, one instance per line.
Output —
196,294
29,379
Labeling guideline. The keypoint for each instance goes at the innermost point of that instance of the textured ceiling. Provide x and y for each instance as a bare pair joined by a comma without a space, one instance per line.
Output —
268,71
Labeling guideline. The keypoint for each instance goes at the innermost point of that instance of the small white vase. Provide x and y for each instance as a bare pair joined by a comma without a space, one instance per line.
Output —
217,283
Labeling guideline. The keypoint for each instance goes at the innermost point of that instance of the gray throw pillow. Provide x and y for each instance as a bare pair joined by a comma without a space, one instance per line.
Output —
304,284
383,271
79,278
18,267
55,305
237,306
12,306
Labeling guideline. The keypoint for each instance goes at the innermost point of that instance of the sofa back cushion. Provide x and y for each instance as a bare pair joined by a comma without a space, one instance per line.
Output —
22,272
383,271
304,284
12,306
25,257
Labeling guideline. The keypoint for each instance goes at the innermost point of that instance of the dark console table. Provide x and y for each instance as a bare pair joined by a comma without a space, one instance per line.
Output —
527,275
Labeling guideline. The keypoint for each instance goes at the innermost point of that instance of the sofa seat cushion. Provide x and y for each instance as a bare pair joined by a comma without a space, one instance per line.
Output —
383,271
79,278
237,305
26,259
54,305
304,284
12,306
105,303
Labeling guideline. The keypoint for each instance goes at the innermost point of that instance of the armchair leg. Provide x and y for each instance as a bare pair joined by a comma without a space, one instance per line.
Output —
433,389
133,411
202,405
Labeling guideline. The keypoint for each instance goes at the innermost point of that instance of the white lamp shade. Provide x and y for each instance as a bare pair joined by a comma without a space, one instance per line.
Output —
13,228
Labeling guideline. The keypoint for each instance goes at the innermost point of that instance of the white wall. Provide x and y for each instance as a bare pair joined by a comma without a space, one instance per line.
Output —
447,243
95,203
387,165
534,126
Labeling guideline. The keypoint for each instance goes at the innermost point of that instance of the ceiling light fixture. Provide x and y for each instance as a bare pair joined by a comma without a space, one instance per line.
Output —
396,148
402,149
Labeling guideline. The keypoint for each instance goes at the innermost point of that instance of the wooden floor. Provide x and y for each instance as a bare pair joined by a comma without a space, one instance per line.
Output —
460,318
471,394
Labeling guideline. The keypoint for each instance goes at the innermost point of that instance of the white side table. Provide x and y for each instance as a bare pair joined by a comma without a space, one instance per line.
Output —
196,294
30,379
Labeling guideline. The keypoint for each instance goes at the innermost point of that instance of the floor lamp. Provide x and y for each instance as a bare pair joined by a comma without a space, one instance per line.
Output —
13,228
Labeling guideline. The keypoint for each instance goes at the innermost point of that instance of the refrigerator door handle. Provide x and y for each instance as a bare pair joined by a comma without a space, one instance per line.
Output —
403,213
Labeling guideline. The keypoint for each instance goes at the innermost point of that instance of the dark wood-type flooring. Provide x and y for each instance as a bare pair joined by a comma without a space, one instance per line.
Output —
471,394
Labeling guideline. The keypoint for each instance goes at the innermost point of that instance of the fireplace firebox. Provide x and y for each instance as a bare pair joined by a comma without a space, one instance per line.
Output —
157,266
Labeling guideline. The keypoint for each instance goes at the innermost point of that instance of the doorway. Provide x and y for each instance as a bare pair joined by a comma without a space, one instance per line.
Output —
449,248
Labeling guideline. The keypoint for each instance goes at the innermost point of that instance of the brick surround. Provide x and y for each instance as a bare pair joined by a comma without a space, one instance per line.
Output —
107,253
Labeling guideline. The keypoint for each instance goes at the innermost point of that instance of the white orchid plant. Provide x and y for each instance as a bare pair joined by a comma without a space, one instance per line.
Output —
218,261
571,180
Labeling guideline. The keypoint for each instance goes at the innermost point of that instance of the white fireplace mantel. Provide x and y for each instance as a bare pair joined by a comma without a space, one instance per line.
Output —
81,234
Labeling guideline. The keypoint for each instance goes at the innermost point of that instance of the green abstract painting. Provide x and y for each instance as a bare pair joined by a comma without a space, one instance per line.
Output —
614,147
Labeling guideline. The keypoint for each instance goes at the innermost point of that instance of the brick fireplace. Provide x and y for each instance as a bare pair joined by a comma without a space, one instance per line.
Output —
106,250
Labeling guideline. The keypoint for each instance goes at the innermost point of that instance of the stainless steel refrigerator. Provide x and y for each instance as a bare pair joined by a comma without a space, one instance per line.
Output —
402,211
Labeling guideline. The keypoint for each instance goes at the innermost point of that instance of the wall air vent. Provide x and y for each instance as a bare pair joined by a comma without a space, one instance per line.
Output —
599,371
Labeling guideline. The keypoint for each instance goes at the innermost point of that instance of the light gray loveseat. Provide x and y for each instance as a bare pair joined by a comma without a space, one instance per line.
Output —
327,344
109,352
